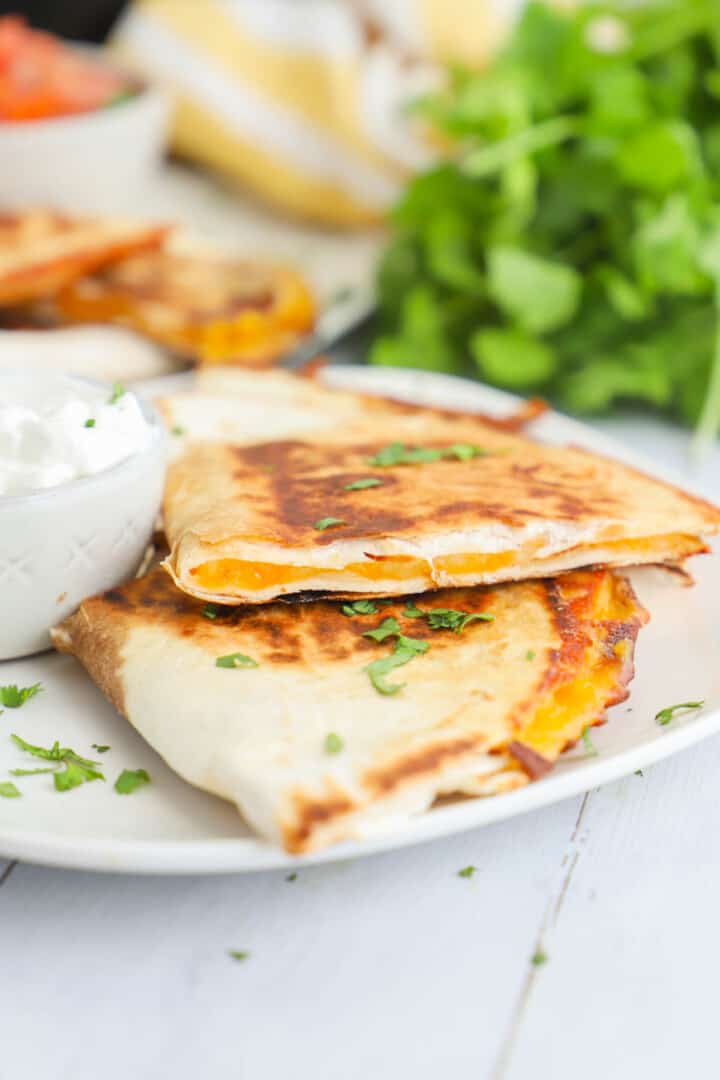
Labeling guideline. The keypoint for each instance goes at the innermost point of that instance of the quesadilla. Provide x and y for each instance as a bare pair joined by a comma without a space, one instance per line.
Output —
42,251
363,516
242,407
326,721
213,309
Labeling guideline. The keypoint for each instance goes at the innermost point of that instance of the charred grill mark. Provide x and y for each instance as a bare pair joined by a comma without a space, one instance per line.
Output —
430,759
534,764
309,814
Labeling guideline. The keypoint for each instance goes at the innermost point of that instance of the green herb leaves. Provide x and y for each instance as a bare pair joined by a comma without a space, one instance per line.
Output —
130,780
389,627
211,611
8,790
236,660
448,619
328,523
13,697
362,485
118,391
590,750
89,423
359,607
538,958
562,246
72,770
467,871
333,744
405,651
399,454
238,954
666,715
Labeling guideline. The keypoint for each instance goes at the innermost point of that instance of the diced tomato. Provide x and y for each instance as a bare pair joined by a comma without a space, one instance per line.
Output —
41,77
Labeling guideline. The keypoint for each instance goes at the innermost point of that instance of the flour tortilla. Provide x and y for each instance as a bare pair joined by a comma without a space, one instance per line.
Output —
251,523
482,712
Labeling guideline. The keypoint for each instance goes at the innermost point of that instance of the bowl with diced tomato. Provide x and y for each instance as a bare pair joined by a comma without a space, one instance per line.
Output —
75,130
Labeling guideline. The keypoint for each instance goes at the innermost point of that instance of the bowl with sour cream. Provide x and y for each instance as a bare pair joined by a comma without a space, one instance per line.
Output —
82,467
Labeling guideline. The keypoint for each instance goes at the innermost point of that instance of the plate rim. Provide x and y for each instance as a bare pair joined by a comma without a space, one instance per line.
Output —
252,854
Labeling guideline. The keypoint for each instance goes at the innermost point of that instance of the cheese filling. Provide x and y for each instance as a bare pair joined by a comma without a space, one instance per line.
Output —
240,576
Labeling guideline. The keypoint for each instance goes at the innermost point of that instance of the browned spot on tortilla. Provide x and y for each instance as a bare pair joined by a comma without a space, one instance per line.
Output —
310,814
429,760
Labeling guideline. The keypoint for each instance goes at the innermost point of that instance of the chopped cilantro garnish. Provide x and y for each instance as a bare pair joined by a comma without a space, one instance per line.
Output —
118,391
12,697
236,660
54,753
448,619
405,650
177,429
333,743
131,779
328,523
638,772
666,715
538,958
530,654
399,454
90,422
359,607
590,750
361,485
238,954
211,611
74,774
100,749
388,628
291,877
8,790
412,611
33,772
467,871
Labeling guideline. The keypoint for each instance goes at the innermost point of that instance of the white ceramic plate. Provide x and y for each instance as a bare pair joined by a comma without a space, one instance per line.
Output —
170,827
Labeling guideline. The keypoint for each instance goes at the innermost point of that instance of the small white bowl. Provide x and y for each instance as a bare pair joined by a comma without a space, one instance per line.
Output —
63,544
96,161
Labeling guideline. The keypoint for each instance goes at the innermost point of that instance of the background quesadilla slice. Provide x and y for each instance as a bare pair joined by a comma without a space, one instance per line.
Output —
41,251
357,515
323,721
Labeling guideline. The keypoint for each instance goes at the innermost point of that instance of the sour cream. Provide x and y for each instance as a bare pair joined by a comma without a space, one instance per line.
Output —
55,430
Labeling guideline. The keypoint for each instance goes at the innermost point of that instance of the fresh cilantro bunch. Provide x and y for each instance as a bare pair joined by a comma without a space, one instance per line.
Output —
571,242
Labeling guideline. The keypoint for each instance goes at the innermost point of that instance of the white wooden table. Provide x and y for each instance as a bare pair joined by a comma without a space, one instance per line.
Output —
394,967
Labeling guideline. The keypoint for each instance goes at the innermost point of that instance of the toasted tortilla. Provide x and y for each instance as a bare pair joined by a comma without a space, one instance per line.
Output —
251,523
42,251
213,309
229,404
482,711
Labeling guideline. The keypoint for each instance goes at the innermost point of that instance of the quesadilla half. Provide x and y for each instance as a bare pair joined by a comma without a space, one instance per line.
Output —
41,251
324,721
360,516
216,310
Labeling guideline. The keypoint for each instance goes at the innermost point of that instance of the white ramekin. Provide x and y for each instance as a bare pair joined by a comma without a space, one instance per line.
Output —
63,544
97,161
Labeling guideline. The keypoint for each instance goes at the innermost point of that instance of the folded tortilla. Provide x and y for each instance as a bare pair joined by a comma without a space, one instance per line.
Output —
216,310
41,251
291,727
468,505
236,406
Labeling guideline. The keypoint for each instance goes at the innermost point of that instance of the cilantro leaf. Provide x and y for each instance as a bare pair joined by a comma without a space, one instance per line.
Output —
389,627
538,958
399,454
177,429
412,611
130,780
467,871
530,654
8,790
74,774
328,523
448,619
362,485
359,607
211,611
53,753
291,877
238,954
90,423
406,650
100,749
12,697
539,294
118,391
590,750
333,744
236,660
664,716
33,772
